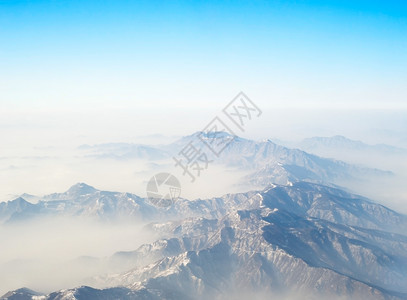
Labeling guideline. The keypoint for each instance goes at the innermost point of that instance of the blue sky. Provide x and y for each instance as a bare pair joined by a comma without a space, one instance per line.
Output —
89,72
150,54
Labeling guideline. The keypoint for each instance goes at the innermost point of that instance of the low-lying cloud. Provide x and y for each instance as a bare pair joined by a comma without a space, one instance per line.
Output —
58,252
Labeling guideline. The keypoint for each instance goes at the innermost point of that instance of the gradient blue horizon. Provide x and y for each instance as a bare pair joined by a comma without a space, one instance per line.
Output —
56,53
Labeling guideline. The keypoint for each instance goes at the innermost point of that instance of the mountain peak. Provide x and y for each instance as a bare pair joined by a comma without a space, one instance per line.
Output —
23,293
215,134
81,189
18,202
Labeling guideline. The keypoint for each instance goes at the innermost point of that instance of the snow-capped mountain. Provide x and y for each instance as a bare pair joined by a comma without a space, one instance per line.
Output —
334,205
8,210
266,161
82,200
79,200
22,294
302,239
270,162
315,200
272,251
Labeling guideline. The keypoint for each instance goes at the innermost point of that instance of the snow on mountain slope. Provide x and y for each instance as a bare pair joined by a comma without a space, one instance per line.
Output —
302,238
334,205
23,294
82,200
276,245
302,198
254,250
12,208
267,161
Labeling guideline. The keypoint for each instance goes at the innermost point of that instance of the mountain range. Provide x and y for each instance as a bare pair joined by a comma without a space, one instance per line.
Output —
303,238
264,161
295,235
342,148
